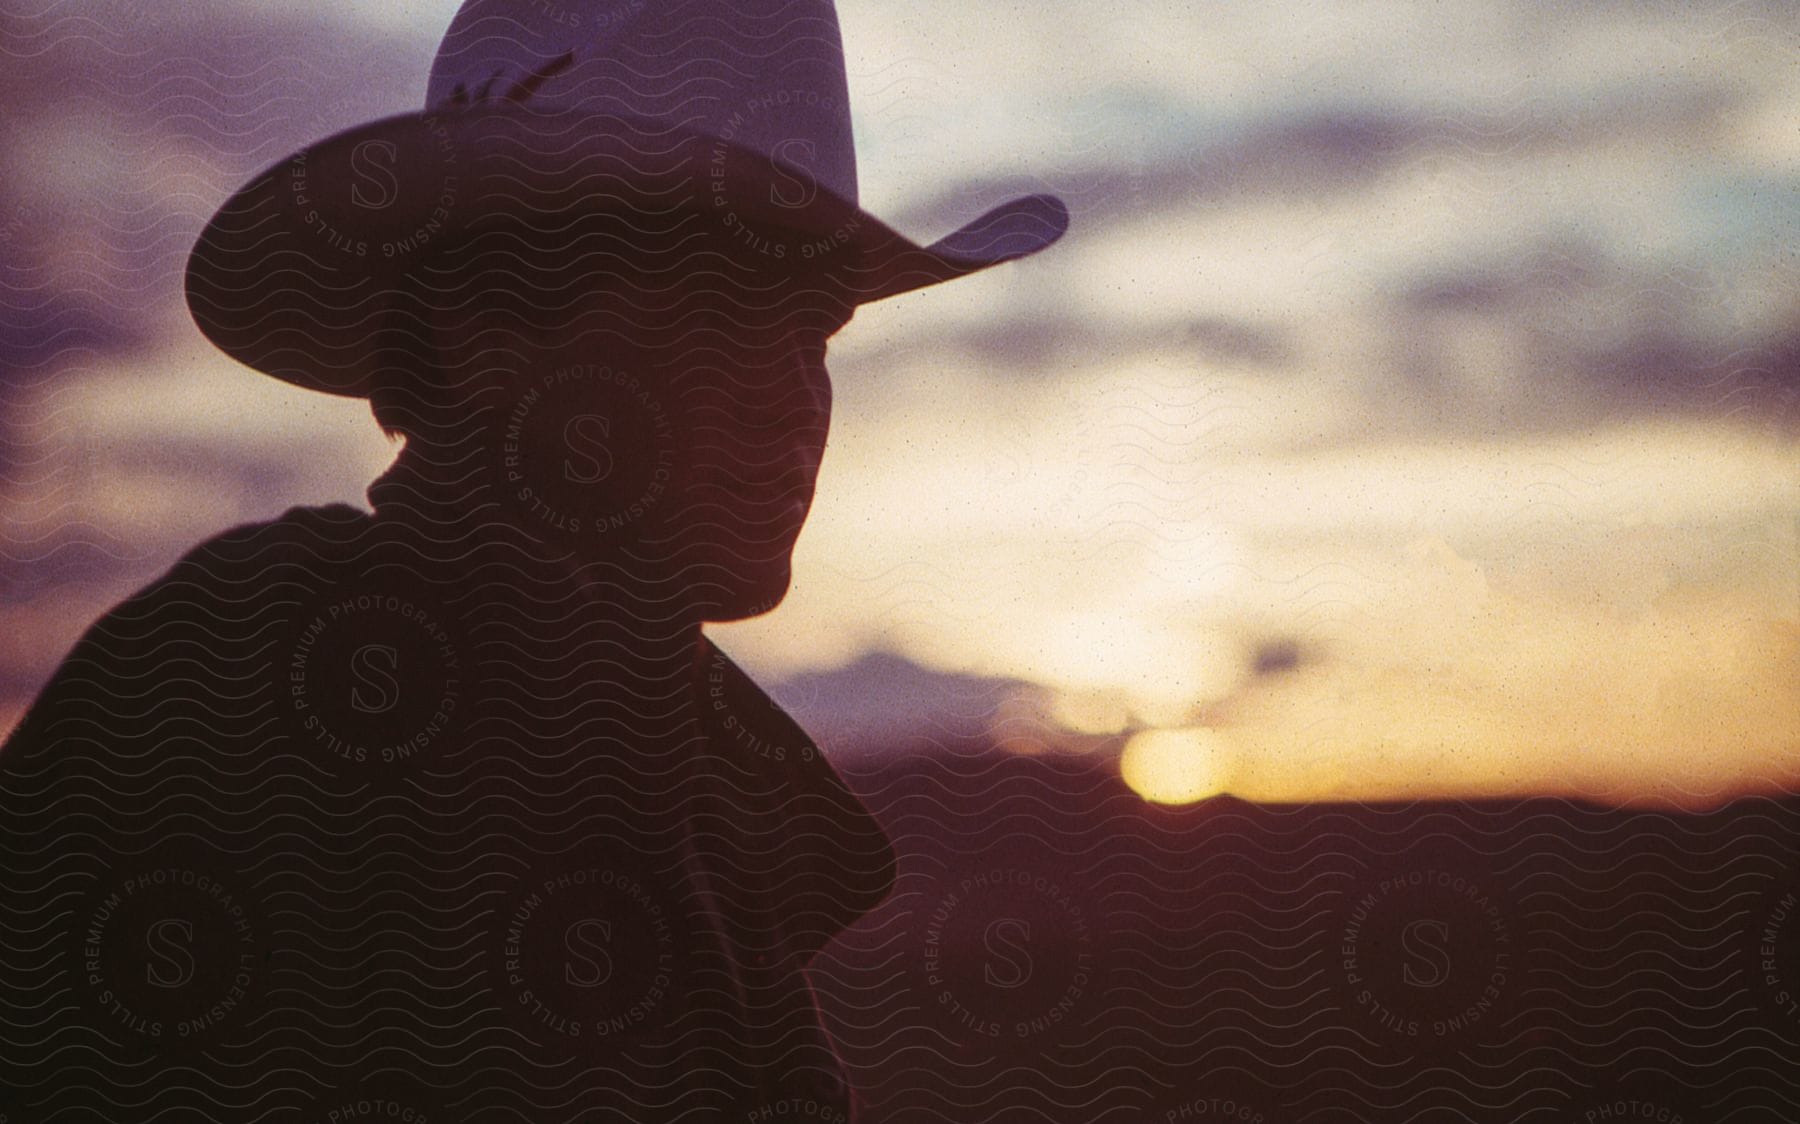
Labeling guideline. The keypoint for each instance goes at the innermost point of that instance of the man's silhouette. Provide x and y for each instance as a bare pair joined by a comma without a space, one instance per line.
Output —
453,809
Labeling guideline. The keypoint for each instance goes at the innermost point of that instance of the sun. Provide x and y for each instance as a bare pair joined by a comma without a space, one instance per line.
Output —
1177,766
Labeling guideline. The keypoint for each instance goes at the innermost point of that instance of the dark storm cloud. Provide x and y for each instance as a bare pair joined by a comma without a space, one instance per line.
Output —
1600,340
885,701
255,86
1321,150
1030,346
1276,656
1593,329
1660,370
42,329
125,125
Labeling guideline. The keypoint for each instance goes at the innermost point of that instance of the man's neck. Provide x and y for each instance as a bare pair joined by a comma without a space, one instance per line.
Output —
452,511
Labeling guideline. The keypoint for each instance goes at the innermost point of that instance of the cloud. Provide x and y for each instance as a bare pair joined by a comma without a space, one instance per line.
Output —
124,439
126,128
1684,693
1513,282
882,702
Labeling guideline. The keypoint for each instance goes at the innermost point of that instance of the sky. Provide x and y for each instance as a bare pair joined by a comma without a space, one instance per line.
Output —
1411,410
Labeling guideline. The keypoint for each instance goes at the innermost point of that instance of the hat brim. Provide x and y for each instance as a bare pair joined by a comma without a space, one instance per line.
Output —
295,274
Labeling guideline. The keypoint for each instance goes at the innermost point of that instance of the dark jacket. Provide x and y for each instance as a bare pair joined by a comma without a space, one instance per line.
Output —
313,820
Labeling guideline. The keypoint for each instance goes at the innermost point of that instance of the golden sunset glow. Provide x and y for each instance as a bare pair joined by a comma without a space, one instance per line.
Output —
1177,766
1401,463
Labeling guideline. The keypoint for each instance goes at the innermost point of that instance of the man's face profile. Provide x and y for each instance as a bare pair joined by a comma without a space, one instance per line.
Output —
675,414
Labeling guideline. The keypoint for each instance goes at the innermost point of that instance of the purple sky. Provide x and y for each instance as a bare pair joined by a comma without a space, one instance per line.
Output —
1411,408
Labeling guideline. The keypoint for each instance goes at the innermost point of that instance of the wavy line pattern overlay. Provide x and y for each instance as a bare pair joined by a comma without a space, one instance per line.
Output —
452,813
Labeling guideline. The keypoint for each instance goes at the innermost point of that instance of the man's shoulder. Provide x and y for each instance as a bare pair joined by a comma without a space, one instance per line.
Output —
235,565
206,607
303,529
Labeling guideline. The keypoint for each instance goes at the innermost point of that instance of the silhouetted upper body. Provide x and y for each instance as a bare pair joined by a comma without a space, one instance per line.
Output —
454,804
453,808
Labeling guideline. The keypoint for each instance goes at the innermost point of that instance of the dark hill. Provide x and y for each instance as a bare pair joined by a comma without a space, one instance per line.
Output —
1058,950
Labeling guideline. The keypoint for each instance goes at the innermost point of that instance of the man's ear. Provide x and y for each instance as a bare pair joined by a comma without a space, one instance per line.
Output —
585,447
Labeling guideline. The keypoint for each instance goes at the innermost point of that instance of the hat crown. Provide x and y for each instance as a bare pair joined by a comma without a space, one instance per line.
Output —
765,75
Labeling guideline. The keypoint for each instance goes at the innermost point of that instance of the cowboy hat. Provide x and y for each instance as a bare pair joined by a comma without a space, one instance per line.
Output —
725,118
